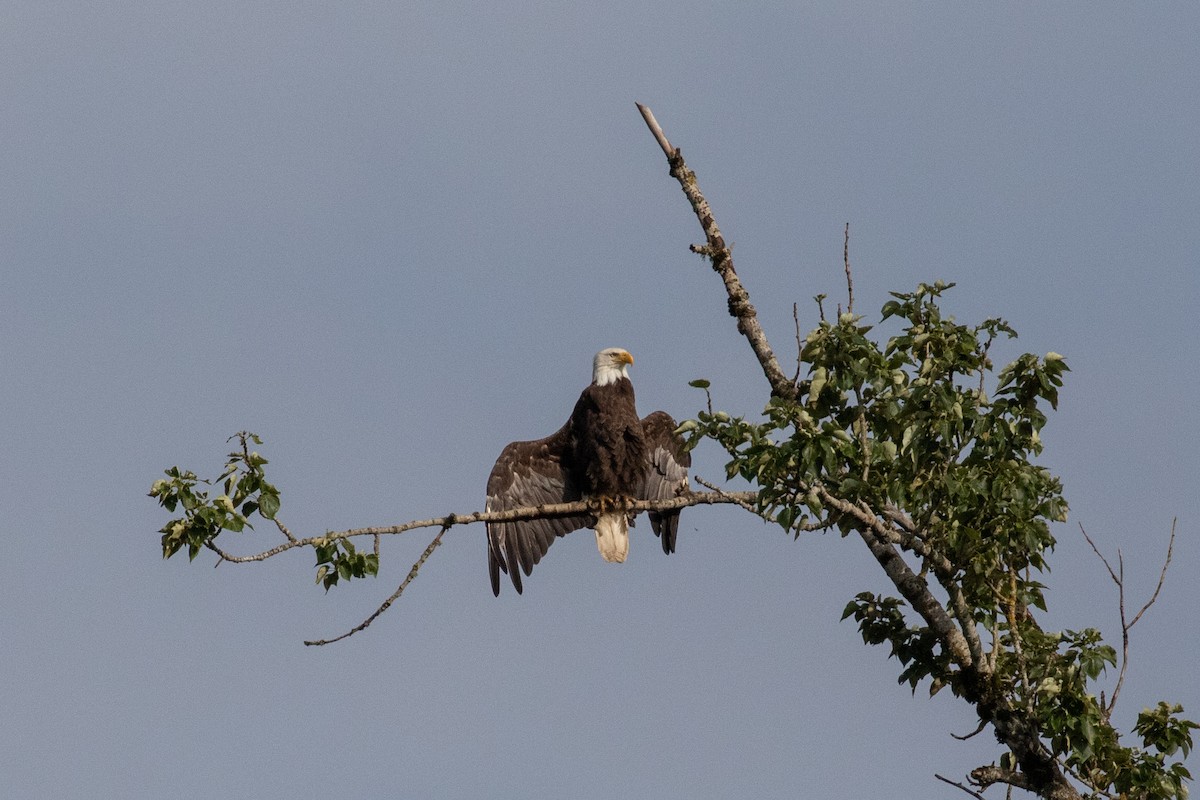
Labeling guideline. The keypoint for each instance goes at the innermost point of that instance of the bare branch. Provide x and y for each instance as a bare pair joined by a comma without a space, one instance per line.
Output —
1118,578
652,123
1100,556
898,516
513,515
412,573
799,344
715,497
966,789
879,540
846,263
972,734
744,503
721,258
1162,576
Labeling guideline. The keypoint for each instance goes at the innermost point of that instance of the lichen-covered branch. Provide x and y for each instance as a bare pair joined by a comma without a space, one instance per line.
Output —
719,255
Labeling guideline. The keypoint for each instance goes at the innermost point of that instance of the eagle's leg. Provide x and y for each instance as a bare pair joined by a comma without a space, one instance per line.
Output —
611,514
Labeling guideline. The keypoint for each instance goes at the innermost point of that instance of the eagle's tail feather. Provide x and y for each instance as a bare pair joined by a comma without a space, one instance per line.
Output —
612,537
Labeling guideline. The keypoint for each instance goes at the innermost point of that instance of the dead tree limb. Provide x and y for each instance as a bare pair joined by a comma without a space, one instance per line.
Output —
721,257
1118,577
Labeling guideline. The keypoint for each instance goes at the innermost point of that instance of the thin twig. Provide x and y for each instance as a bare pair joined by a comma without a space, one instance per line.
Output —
849,280
860,427
744,503
972,734
1162,576
965,788
799,344
1118,577
1100,555
412,573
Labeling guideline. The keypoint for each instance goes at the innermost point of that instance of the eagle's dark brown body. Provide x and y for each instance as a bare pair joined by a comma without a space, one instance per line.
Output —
608,446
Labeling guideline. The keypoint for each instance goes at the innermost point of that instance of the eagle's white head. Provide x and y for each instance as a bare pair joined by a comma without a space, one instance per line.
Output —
610,365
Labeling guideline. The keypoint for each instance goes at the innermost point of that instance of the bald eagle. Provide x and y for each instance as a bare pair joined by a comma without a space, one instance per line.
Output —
605,454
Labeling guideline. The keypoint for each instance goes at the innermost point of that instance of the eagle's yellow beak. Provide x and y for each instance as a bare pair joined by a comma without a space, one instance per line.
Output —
625,358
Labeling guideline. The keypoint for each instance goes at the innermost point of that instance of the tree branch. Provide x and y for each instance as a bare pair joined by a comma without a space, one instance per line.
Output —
412,573
512,515
747,503
910,586
983,777
846,264
966,789
721,259
1118,578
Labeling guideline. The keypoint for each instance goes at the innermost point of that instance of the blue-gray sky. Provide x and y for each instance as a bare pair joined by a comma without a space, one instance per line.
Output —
389,237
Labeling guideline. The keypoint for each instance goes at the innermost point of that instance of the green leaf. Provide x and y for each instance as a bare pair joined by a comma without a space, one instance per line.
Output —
268,504
817,383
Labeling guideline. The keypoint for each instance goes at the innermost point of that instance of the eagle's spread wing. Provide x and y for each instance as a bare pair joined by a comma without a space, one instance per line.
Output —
529,474
667,474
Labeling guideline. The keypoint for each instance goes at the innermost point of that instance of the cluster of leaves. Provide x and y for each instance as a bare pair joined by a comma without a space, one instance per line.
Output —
881,619
909,426
337,559
246,492
908,432
1060,667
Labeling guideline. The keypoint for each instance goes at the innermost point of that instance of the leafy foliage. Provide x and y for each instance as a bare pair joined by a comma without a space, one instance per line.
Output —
903,441
246,492
337,559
